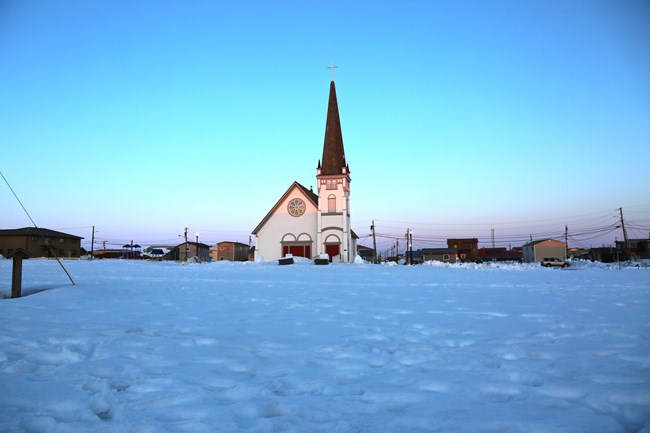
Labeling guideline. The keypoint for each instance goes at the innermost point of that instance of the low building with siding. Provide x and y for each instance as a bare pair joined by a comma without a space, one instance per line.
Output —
189,250
535,251
445,255
467,248
366,253
231,251
499,254
40,242
638,248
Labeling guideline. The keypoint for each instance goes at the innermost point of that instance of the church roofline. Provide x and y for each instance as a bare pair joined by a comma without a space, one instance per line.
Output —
333,161
311,196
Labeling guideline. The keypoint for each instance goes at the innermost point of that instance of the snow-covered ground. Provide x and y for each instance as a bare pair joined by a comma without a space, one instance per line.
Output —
149,347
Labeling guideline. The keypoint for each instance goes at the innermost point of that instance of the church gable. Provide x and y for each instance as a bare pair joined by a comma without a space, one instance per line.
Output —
297,202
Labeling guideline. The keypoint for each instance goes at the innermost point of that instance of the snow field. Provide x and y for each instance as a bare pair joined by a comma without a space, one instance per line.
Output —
161,347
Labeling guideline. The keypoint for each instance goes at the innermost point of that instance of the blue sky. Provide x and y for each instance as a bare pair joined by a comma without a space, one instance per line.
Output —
146,117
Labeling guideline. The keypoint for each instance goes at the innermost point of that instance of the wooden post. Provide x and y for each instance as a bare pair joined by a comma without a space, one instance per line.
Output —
17,271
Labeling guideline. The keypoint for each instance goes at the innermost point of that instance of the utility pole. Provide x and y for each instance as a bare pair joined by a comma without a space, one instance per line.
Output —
625,246
186,247
492,237
397,250
566,242
92,244
409,245
374,242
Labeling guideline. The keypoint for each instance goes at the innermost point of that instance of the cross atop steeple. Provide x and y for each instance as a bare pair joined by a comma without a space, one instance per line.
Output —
332,68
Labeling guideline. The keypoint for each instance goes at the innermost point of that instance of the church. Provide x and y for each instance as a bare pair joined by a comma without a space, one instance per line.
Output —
304,223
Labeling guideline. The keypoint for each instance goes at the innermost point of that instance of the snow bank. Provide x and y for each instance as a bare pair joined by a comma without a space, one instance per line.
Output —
160,347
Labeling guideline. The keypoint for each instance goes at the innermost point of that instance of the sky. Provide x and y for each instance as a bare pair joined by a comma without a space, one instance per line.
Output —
459,119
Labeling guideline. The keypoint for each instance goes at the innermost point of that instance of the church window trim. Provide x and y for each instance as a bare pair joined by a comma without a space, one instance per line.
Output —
331,203
288,237
304,237
332,239
324,229
296,207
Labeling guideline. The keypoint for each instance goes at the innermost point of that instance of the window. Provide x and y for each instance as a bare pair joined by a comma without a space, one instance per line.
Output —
61,240
462,256
331,184
331,203
445,257
296,207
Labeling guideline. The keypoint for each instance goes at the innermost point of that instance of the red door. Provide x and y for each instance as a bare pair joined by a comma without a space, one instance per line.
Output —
297,250
332,250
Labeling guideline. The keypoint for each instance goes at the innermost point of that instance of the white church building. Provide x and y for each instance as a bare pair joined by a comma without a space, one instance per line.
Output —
307,224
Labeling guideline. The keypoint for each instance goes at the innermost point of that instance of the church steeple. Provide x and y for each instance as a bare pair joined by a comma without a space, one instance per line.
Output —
333,162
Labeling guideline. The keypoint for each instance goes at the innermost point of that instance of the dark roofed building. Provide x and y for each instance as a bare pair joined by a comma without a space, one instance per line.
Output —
366,253
499,254
467,248
446,255
638,248
40,242
231,251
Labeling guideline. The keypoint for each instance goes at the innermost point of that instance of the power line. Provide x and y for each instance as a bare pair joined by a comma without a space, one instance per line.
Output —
21,203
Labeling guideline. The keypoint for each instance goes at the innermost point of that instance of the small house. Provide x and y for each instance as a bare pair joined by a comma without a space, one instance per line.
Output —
40,242
231,251
445,255
535,251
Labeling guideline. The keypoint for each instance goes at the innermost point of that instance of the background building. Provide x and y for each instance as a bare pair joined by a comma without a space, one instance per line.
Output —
189,250
40,242
535,251
445,255
638,248
231,251
467,248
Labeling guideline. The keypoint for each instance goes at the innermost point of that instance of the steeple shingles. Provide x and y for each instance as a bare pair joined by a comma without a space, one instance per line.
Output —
333,161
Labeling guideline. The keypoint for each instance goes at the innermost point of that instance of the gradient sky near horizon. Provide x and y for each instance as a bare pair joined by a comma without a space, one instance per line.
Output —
142,118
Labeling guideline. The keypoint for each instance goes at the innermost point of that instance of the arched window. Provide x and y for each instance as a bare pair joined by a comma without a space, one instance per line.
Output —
331,203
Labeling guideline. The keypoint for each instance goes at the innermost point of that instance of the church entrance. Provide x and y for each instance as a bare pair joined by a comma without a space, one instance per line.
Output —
303,250
332,250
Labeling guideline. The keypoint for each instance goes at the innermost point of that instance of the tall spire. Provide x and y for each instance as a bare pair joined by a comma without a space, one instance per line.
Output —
333,161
